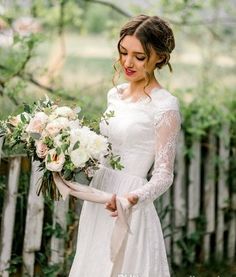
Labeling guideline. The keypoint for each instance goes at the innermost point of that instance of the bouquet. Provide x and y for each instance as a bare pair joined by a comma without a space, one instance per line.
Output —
58,138
61,141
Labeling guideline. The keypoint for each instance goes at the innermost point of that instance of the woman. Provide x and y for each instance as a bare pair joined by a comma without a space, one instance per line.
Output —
143,131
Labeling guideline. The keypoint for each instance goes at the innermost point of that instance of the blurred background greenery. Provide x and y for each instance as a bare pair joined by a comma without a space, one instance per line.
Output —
66,49
69,47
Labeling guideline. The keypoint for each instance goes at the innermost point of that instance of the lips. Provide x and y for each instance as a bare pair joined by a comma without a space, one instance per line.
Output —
129,72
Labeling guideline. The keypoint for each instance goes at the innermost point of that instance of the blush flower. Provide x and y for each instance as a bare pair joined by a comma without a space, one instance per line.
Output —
41,149
53,161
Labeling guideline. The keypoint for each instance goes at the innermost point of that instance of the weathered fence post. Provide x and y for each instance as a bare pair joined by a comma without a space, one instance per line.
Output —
209,193
34,222
8,215
179,201
166,223
223,188
194,186
59,217
232,223
1,143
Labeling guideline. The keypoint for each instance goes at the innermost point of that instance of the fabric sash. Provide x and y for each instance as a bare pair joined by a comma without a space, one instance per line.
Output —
121,227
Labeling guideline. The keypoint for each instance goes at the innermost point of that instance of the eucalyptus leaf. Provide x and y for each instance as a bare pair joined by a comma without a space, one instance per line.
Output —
35,135
76,146
81,178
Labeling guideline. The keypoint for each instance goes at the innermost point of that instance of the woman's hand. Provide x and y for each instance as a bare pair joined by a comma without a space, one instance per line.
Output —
111,205
133,198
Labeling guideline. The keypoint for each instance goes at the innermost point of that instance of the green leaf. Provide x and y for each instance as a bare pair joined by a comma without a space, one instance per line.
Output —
27,108
64,147
76,146
23,118
58,151
49,159
81,178
35,136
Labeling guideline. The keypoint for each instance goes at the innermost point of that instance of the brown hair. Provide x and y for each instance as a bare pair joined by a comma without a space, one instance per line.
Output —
152,32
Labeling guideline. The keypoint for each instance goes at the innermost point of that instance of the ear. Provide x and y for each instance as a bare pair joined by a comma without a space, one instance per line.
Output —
160,58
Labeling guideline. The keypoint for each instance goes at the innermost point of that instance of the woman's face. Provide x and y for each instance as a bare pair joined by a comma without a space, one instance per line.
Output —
134,61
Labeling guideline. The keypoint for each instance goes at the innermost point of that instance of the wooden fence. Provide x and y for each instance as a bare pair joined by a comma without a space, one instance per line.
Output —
198,213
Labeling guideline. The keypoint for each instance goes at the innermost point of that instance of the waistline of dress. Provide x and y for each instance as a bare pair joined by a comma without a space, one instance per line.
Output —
121,173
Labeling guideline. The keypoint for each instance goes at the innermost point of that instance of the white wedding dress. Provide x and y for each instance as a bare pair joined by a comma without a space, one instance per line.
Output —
140,132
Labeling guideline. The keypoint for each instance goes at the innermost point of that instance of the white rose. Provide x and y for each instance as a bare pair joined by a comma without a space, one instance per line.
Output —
15,120
79,157
74,124
41,149
57,141
57,161
37,123
54,127
97,145
74,138
85,135
65,112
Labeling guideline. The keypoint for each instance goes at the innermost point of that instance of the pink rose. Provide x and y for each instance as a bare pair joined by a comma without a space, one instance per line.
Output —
41,149
37,123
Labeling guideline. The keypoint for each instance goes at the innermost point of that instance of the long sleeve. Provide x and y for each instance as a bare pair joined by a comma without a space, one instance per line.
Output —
167,125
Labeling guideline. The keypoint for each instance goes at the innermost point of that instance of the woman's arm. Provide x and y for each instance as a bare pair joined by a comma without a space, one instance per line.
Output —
167,128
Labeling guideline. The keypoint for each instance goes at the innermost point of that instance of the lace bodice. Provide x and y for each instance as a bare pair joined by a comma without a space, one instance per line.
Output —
144,133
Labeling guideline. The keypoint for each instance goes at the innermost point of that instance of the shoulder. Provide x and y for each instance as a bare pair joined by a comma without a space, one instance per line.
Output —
163,100
114,92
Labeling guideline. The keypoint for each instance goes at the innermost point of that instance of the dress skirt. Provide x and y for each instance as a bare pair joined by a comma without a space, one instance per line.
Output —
144,253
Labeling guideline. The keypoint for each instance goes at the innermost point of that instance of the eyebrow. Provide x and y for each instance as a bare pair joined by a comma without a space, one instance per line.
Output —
134,52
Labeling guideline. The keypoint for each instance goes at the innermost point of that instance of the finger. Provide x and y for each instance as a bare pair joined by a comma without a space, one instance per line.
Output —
108,207
133,199
114,214
113,201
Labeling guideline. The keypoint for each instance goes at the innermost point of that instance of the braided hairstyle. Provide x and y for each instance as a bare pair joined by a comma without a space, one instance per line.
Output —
152,32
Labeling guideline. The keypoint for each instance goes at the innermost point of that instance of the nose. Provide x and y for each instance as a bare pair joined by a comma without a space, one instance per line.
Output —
128,62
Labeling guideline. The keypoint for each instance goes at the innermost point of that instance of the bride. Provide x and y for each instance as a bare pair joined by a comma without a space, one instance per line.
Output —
123,236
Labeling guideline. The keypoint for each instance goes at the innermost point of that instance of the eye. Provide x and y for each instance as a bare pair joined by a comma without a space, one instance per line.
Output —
141,58
123,53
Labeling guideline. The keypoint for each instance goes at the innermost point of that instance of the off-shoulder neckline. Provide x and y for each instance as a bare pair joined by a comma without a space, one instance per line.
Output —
122,87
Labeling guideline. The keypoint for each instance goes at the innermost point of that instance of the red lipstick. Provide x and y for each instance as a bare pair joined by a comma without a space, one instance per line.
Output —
129,72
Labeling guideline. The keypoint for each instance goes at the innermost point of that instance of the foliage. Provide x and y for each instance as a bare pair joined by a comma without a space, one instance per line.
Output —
206,104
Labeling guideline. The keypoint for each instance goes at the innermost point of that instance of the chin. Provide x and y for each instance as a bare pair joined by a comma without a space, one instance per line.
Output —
133,78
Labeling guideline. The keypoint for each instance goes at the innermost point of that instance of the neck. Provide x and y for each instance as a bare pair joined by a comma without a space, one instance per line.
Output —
137,88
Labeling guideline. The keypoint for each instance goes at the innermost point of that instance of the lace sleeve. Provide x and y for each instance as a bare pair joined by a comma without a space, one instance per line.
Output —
166,132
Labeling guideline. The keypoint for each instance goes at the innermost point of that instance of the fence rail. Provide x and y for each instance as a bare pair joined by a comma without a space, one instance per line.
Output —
199,211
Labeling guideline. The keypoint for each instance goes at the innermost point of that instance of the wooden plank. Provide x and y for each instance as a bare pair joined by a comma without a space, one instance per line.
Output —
166,222
232,238
194,181
220,235
224,152
58,244
179,199
194,186
223,188
206,246
209,192
177,251
8,215
1,144
34,222
180,185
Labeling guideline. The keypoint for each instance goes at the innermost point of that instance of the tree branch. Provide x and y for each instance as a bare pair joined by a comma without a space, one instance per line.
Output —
29,78
114,7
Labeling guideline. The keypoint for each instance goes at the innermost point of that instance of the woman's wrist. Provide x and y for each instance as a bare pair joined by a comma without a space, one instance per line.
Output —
132,198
